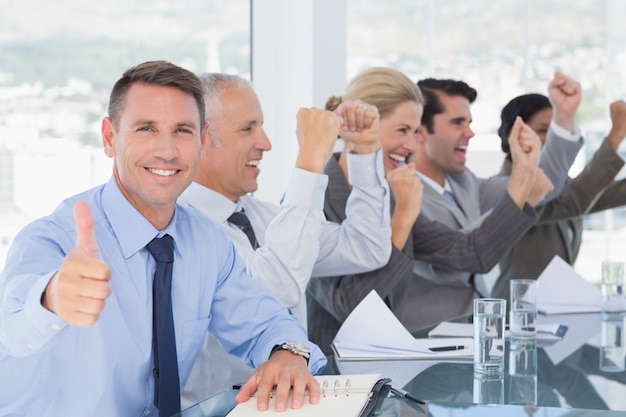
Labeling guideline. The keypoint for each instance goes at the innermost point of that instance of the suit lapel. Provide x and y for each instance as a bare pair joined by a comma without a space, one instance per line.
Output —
438,203
337,191
465,194
564,231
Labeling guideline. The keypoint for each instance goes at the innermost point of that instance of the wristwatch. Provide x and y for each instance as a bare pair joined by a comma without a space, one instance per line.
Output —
294,347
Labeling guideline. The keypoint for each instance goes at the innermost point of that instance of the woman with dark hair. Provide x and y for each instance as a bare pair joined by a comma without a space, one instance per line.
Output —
560,225
534,109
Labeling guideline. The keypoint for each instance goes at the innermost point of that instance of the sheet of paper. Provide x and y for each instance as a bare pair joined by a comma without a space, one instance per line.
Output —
372,331
581,327
545,331
561,290
400,372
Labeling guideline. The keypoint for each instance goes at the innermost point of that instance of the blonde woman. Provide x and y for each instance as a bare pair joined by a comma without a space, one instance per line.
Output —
400,105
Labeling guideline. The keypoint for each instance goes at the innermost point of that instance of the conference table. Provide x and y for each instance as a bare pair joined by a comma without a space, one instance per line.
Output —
564,378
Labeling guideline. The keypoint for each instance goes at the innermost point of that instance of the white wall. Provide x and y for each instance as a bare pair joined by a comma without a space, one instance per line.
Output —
298,60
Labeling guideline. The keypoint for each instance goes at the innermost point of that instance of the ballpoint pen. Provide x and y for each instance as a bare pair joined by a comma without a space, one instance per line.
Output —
406,395
448,348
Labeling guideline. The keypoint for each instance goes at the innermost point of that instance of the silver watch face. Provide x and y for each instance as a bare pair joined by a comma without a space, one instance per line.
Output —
297,348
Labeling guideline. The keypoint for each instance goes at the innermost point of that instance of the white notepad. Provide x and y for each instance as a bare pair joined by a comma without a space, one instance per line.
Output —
342,395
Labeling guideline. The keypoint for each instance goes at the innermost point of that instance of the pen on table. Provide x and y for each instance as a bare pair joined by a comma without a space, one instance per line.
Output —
447,348
272,392
406,395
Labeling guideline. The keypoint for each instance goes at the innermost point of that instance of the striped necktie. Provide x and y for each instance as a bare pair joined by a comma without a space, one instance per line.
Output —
240,220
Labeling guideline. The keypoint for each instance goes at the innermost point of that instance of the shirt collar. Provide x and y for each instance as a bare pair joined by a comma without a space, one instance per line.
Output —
208,202
132,229
435,185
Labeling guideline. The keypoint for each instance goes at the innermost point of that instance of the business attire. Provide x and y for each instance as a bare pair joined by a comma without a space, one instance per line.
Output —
296,243
560,226
474,199
330,300
106,369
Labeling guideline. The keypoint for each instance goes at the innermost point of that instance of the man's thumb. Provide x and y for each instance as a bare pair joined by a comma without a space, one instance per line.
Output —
86,245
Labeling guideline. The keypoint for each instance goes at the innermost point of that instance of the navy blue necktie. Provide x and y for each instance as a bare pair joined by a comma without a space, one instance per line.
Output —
240,220
166,382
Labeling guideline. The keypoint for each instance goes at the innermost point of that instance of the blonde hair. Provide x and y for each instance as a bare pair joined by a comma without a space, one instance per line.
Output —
382,87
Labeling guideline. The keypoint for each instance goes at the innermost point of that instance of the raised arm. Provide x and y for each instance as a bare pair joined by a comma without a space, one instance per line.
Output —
565,94
50,282
527,184
285,262
361,242
77,292
563,142
407,190
594,188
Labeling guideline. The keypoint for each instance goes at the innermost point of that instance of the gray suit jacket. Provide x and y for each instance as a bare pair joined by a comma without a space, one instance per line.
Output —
331,299
477,196
560,227
447,291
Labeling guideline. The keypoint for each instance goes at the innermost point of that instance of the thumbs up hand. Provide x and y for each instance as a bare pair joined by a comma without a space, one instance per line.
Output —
77,292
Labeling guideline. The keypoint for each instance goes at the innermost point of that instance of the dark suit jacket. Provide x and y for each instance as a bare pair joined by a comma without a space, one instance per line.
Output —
560,227
331,299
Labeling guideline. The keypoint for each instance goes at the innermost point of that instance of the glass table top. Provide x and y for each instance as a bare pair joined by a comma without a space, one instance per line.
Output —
569,377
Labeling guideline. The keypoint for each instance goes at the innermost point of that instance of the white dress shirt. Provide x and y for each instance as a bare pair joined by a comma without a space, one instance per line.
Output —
296,243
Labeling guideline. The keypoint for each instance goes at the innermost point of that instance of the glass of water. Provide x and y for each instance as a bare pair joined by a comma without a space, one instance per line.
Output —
523,309
489,317
612,287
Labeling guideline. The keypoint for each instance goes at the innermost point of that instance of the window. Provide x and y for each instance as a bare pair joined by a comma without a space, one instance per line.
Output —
59,62
504,49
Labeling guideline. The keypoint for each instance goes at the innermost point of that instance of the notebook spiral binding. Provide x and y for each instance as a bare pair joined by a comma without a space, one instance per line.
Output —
337,388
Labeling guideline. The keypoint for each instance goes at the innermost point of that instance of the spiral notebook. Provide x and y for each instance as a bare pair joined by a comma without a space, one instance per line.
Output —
341,395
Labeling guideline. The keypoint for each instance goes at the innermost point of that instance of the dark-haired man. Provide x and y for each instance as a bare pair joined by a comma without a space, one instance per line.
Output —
453,195
76,295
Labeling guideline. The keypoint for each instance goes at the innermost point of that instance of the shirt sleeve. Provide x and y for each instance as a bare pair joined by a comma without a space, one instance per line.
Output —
557,157
476,250
580,195
25,325
253,340
362,242
285,261
566,134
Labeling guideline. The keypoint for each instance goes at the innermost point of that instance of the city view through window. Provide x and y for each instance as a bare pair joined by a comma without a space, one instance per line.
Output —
58,61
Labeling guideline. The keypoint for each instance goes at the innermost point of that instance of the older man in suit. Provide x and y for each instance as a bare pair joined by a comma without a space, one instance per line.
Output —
283,246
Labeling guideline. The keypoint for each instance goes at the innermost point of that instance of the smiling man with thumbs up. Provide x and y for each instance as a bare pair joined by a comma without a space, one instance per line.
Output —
86,288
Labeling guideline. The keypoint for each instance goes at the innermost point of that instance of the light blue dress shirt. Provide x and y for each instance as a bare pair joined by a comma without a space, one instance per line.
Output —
48,368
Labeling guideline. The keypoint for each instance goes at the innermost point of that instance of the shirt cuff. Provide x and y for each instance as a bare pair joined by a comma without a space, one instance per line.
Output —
45,323
564,133
365,169
306,189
